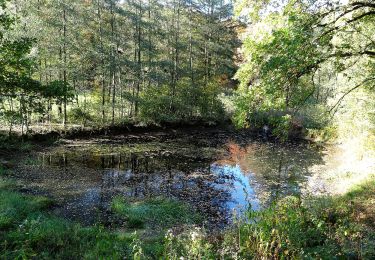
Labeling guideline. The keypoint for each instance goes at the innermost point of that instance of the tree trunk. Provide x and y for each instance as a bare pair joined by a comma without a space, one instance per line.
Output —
64,71
102,60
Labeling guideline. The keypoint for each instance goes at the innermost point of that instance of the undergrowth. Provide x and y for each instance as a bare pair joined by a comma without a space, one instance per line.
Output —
313,228
28,231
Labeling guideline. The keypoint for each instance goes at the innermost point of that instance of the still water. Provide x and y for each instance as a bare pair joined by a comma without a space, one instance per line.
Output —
217,176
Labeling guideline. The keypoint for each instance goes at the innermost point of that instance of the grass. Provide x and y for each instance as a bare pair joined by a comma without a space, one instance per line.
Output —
28,231
317,228
157,212
2,170
341,227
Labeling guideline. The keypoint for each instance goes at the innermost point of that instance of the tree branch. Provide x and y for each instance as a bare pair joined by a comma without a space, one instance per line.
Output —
349,91
347,22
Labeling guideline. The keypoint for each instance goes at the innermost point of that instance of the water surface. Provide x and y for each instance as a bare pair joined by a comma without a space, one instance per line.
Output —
217,176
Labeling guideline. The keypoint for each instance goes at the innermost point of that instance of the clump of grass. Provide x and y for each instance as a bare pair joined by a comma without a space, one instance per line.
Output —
192,244
28,231
6,184
15,207
50,237
156,212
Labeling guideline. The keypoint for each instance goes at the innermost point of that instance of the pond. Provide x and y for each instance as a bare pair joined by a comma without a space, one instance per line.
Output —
218,173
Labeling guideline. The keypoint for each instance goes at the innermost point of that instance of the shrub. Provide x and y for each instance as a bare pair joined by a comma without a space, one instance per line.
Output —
81,116
189,102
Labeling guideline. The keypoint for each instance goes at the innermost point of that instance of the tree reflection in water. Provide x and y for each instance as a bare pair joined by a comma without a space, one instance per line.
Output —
253,173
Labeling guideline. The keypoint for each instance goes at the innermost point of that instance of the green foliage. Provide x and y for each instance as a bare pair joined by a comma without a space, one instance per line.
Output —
189,102
2,170
191,244
299,62
14,143
135,60
278,70
79,115
57,91
283,126
157,212
315,228
15,208
6,184
27,232
323,135
324,227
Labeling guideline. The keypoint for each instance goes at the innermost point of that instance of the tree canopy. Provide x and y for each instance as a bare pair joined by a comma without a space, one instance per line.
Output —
294,51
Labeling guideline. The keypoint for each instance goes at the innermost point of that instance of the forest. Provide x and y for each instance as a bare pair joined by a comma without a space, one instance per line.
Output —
187,129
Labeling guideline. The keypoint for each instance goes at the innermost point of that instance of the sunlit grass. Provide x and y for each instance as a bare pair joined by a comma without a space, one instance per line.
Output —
339,227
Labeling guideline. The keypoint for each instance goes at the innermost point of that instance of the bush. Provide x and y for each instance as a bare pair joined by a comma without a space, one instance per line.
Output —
81,116
189,102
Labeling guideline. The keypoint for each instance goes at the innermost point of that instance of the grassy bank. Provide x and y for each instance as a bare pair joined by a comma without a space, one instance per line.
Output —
316,228
325,227
28,230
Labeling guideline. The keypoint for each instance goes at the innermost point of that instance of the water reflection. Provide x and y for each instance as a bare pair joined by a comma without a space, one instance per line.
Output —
239,184
86,180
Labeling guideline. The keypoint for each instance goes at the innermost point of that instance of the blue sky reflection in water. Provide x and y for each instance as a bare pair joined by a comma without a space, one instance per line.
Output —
239,185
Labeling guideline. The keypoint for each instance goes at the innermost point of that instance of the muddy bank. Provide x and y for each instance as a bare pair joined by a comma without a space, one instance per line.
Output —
44,133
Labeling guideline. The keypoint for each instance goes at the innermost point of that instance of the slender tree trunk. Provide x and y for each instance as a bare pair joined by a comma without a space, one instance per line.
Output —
65,64
102,60
11,119
113,65
175,73
139,60
149,43
191,43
